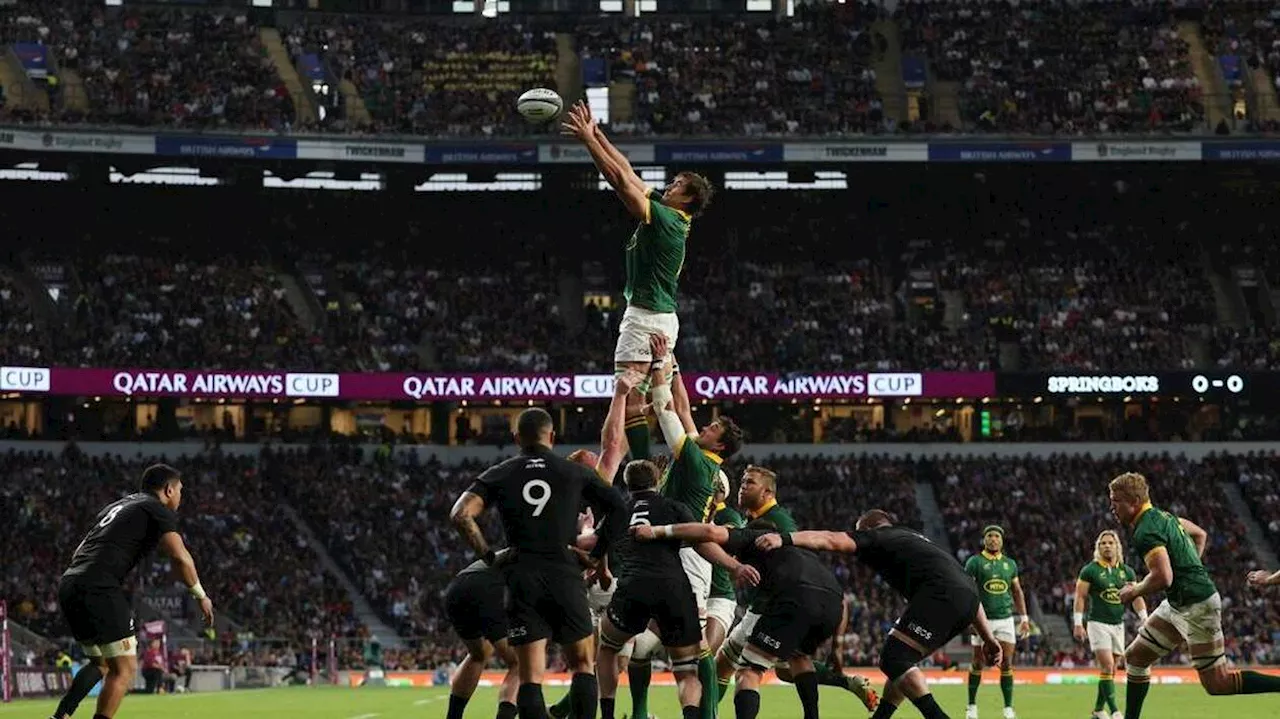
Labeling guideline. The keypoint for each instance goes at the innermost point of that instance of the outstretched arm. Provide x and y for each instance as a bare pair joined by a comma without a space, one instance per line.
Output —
615,168
674,429
613,438
811,539
692,532
618,158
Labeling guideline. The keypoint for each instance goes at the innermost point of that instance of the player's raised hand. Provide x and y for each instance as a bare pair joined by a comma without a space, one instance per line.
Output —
662,461
1259,577
206,609
746,575
769,542
1079,633
578,122
642,532
629,381
660,346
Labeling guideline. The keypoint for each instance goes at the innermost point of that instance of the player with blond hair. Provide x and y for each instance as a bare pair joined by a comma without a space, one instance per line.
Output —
1171,548
1100,582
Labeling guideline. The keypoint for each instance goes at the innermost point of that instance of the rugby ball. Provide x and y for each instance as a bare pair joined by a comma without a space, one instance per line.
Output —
540,104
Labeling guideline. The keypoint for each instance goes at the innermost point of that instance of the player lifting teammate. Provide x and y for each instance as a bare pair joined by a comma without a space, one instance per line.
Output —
538,494
1100,581
90,594
691,480
941,600
653,587
1171,548
800,604
655,255
997,578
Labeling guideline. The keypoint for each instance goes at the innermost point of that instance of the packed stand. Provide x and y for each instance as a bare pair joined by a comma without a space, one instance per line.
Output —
1057,67
155,311
252,560
161,67
1254,348
1246,30
21,341
1085,300
453,78
810,74
1053,508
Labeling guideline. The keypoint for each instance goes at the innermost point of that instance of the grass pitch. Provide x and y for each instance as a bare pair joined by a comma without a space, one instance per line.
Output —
1032,702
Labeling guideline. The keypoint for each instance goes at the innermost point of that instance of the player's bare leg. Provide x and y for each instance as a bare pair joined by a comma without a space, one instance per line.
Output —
579,660
976,665
467,677
1006,678
83,683
1104,705
636,423
684,664
532,661
510,683
828,676
116,683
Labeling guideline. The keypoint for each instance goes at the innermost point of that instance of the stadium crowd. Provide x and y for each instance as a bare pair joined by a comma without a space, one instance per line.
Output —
1127,68
250,554
1049,69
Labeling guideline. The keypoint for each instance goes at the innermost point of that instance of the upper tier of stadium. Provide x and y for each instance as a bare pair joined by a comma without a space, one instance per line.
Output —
805,69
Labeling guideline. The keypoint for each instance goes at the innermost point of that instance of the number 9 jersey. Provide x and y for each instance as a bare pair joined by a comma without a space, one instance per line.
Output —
538,495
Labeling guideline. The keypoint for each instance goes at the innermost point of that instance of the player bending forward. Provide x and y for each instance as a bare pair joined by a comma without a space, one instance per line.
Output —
800,603
1000,590
1191,611
941,600
655,255
90,595
653,587
1101,581
475,603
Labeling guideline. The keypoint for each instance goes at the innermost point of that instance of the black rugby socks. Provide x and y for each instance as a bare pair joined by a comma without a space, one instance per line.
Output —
807,688
746,704
507,710
530,704
457,705
81,685
583,694
929,708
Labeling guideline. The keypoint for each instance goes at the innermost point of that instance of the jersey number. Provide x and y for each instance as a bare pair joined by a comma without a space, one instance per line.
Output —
111,515
640,518
537,493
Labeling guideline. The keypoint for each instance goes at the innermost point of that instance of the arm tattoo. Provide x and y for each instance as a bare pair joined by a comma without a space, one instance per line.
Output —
470,531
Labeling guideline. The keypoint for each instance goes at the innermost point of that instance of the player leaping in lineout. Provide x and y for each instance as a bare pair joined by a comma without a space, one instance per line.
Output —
1171,548
655,257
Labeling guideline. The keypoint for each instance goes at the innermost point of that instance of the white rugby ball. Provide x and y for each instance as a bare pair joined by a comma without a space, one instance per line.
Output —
540,104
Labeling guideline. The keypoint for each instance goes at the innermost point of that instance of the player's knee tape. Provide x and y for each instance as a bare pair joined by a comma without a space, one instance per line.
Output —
1138,672
1208,661
1156,641
752,658
685,666
898,658
612,643
647,645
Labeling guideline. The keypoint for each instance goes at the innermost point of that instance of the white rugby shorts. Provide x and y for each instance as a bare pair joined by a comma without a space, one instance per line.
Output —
633,334
1106,637
722,609
699,572
1005,630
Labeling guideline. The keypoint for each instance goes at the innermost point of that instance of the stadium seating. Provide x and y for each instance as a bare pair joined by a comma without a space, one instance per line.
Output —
427,76
21,341
810,73
1046,69
159,67
252,559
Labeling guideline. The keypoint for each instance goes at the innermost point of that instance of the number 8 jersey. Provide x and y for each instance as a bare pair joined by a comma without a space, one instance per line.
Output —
123,533
538,495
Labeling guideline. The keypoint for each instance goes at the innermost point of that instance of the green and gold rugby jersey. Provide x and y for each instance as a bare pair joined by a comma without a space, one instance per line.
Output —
691,478
721,580
655,257
994,574
1105,582
1156,528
